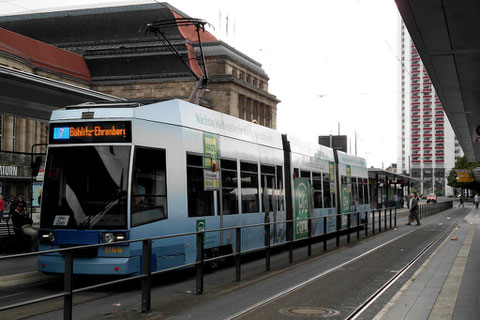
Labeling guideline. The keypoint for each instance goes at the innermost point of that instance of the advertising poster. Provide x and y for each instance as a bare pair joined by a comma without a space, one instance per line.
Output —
303,206
210,162
331,167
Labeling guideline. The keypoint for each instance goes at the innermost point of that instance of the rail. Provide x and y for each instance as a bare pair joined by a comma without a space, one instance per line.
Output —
373,219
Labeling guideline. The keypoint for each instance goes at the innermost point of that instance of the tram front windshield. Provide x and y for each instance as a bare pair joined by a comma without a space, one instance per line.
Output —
85,187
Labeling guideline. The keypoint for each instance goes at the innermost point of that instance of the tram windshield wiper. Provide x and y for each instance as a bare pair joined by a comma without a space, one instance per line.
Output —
92,220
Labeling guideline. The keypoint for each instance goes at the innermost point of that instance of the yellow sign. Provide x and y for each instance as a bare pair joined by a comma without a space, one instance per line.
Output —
464,175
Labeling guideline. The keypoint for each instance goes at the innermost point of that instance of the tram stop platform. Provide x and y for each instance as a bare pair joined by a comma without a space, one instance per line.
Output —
447,284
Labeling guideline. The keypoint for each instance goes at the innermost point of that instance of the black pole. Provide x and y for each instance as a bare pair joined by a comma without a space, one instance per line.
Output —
325,233
68,299
309,250
373,221
199,265
358,225
147,272
267,244
349,225
238,251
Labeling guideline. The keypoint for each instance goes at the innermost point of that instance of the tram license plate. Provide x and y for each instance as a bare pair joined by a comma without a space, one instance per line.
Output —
61,220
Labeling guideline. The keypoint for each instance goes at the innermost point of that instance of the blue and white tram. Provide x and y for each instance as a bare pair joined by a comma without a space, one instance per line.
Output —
131,172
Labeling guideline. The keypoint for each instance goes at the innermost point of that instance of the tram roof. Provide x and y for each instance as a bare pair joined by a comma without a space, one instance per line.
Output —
180,113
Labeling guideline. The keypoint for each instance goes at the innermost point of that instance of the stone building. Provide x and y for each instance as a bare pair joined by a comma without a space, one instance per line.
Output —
17,134
125,61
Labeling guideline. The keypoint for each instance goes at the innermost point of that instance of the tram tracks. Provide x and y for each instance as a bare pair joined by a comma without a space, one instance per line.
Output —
364,306
373,297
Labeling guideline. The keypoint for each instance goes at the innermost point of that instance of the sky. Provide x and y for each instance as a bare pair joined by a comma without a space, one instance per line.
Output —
332,63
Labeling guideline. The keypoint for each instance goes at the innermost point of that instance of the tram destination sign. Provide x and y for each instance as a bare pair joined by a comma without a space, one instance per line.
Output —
90,132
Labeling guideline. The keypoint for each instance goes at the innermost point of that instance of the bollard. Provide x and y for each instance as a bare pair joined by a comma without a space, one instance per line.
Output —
68,299
325,233
309,250
147,272
238,250
199,265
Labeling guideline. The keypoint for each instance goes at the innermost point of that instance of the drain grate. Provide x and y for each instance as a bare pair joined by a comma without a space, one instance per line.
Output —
310,312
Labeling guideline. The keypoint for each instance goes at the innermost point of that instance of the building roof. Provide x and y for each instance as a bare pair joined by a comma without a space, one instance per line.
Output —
113,42
44,56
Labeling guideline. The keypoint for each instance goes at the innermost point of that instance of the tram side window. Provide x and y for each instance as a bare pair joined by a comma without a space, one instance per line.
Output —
268,177
296,172
228,169
149,188
249,178
365,191
305,174
200,202
328,197
361,194
279,189
317,190
355,198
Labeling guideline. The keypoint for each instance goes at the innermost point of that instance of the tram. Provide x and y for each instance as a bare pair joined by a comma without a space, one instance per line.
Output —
130,171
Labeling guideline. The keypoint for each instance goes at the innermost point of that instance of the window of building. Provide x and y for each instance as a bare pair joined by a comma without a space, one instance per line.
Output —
200,202
228,171
149,187
249,178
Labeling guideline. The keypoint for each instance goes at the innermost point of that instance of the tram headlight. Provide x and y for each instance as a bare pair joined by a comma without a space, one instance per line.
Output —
120,236
48,237
108,237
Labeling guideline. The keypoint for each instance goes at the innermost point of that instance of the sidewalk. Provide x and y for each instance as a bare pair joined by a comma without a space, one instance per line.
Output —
446,285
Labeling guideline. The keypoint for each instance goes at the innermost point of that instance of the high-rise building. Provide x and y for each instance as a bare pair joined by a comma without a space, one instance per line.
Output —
427,148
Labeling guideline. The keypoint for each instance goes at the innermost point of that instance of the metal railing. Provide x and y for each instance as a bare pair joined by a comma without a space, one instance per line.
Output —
374,219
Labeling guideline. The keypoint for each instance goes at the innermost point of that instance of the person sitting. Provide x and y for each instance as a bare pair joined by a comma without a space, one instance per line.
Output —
21,221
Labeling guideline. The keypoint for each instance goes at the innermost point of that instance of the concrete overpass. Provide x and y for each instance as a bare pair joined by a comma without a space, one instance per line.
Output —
445,33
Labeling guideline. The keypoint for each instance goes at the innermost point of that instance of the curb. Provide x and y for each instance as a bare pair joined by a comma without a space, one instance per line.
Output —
23,278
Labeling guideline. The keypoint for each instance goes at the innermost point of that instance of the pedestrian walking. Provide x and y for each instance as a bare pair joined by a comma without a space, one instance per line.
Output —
461,201
476,200
413,208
